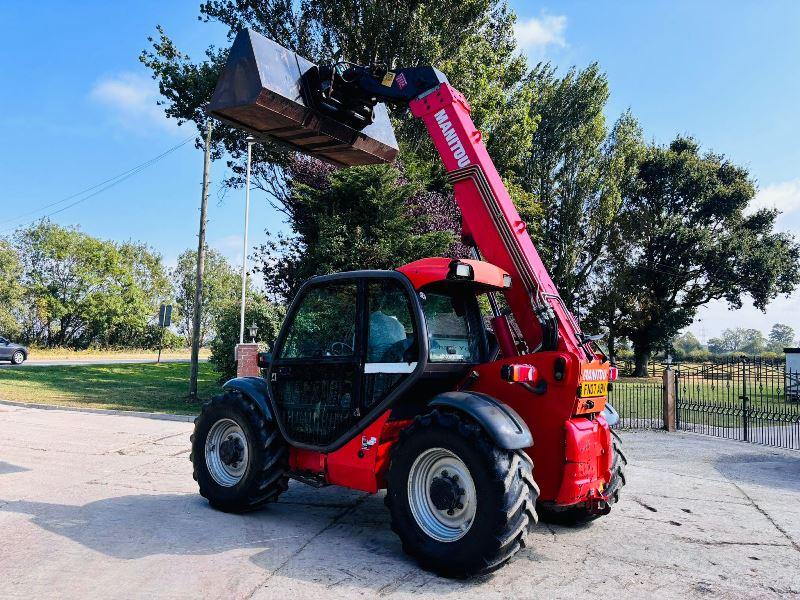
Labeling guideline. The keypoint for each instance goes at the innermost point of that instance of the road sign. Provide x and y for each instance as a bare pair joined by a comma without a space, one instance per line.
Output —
165,315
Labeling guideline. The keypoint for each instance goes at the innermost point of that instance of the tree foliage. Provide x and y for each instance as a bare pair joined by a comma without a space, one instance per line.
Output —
221,285
259,310
358,218
11,291
683,238
80,291
781,336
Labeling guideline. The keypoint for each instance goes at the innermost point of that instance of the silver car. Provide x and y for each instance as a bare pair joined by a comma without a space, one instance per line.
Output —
16,353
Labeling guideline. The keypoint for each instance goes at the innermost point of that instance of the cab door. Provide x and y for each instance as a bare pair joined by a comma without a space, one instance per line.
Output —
315,377
350,345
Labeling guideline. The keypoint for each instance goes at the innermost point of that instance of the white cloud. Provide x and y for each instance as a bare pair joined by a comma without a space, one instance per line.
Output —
537,33
784,196
131,99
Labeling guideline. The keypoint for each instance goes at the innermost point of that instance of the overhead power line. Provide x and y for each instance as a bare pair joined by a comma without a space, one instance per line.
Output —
96,189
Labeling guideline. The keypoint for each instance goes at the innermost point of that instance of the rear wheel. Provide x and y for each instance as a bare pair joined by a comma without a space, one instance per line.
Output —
460,504
240,460
18,357
576,515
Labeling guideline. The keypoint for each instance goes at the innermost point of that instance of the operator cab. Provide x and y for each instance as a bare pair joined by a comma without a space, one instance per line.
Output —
352,343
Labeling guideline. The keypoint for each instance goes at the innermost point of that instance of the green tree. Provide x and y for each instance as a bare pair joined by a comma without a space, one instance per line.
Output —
80,290
685,344
11,290
259,310
221,285
683,239
576,170
781,336
363,218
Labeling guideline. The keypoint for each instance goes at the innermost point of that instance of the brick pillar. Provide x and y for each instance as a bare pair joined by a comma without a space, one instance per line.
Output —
247,360
668,399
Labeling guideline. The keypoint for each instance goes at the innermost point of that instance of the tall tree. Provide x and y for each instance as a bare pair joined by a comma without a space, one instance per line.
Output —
348,219
781,336
576,170
685,239
221,285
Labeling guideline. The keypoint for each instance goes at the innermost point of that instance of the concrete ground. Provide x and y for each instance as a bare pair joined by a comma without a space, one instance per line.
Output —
101,506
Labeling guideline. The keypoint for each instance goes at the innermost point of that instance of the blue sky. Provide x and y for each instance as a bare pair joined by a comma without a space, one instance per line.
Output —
76,108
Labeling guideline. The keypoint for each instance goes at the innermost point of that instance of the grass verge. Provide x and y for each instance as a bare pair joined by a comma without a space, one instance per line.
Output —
140,387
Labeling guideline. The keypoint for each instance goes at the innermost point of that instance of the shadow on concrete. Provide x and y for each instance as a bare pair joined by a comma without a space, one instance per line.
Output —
776,470
346,537
6,468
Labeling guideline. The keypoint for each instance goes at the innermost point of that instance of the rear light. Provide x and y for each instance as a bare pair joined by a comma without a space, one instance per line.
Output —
519,373
613,373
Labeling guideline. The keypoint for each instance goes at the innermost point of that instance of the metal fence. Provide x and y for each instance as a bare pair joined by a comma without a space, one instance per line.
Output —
754,400
639,404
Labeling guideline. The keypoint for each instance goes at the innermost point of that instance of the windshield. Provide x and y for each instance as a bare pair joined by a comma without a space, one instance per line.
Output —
451,337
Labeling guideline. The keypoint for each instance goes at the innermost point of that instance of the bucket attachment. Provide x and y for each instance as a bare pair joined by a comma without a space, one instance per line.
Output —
261,91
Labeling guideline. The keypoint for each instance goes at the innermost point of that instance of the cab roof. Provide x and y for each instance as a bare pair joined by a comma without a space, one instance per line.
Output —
480,274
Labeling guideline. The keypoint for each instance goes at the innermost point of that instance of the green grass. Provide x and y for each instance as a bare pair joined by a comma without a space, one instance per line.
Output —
139,387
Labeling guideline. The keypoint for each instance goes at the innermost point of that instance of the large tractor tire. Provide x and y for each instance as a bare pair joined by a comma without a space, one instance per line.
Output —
579,515
461,505
240,459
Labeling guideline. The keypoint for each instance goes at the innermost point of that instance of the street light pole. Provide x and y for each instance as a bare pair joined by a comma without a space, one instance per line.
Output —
250,142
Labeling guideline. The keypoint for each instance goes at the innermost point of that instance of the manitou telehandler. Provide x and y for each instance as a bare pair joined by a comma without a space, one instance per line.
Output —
396,380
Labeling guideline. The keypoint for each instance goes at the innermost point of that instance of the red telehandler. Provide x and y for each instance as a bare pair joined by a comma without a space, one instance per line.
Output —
392,379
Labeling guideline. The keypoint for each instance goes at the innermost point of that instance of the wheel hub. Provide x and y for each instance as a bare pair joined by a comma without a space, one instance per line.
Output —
446,493
442,495
231,451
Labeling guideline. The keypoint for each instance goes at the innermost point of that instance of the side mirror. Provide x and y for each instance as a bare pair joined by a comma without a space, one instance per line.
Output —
264,360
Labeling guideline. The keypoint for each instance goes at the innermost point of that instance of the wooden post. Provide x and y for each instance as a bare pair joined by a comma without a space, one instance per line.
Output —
201,260
668,398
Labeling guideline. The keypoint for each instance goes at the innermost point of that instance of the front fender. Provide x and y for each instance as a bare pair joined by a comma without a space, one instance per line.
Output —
254,388
506,428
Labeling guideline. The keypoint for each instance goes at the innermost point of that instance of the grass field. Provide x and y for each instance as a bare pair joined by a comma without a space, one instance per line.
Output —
140,387
46,354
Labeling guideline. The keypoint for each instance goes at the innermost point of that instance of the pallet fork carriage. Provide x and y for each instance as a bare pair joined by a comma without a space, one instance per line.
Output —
391,379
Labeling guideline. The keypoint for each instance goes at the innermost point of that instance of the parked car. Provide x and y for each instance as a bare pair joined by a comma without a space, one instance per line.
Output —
16,353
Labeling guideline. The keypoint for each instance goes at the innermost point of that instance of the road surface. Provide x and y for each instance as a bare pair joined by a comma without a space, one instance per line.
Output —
100,506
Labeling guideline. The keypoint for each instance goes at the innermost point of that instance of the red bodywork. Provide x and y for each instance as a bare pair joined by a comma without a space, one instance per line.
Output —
572,450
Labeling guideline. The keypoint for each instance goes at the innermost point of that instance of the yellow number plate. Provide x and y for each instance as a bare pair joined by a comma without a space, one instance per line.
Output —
590,389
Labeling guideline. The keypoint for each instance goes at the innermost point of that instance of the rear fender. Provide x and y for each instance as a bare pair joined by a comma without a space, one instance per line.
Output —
500,421
254,388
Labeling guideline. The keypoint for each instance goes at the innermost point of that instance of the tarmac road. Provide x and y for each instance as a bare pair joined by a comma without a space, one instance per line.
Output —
99,361
103,506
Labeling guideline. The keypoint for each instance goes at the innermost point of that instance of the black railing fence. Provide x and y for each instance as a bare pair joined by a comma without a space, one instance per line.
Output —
752,399
639,404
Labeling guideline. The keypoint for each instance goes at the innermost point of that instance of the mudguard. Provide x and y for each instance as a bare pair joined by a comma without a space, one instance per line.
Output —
254,388
500,421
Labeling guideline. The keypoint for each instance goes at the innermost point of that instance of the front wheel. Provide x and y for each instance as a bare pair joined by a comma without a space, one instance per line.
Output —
460,504
18,357
240,459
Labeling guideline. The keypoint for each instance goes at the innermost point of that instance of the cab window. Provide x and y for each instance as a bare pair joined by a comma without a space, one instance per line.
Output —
452,337
324,326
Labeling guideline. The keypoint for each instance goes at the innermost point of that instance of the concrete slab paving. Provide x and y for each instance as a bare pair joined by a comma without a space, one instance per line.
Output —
104,506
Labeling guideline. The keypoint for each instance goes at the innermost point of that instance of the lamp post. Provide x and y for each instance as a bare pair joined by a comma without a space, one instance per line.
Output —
253,329
250,142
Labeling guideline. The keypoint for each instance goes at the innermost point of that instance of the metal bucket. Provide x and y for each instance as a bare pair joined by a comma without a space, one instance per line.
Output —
261,91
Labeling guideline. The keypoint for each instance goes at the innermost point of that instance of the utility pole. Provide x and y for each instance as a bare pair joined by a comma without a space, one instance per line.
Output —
201,262
250,142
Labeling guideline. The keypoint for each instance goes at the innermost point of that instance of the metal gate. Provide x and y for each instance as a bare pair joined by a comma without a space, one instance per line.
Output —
751,399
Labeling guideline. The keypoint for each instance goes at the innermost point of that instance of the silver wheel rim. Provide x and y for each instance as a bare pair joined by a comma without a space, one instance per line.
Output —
442,525
17,358
226,474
